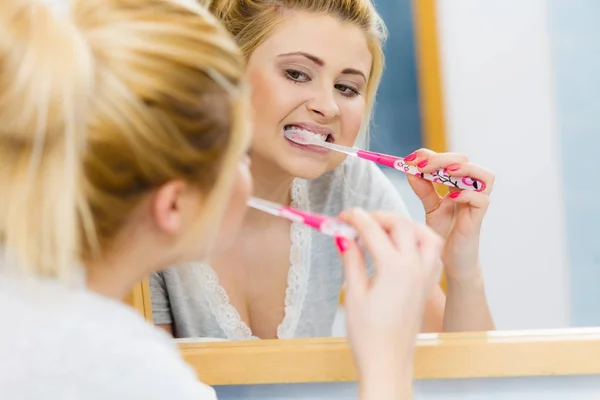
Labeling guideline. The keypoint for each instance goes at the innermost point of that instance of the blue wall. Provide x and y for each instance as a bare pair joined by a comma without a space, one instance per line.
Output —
575,38
397,126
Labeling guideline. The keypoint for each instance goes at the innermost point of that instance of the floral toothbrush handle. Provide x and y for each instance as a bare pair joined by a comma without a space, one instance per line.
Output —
439,176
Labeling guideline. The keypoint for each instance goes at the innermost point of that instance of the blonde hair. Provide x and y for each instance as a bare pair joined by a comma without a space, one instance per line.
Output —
168,106
46,78
252,21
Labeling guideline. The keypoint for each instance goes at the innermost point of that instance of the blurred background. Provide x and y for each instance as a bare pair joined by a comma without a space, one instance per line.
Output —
520,95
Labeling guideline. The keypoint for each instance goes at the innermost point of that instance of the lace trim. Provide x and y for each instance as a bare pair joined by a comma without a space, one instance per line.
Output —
227,316
297,282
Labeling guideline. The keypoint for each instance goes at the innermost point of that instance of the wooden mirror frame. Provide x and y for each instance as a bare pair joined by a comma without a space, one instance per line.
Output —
574,351
557,352
438,356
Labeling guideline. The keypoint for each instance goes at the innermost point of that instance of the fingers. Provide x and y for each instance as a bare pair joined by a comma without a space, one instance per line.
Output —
425,191
477,202
431,247
474,171
474,199
456,165
371,233
355,268
429,161
400,229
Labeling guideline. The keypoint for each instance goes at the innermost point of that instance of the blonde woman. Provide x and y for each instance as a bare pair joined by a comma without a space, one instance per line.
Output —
316,65
122,141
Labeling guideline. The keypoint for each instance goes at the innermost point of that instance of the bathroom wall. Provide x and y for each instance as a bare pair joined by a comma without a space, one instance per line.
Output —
575,38
501,110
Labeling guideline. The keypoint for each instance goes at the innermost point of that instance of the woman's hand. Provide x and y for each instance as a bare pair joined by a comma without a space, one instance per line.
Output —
458,216
384,313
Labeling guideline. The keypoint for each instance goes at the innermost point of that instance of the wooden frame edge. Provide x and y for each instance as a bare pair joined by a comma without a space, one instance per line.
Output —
139,299
444,356
429,77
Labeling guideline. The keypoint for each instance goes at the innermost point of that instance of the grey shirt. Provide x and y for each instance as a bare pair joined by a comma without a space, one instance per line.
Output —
190,297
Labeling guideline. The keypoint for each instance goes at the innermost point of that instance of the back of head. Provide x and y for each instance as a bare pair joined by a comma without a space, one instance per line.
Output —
168,106
46,78
252,21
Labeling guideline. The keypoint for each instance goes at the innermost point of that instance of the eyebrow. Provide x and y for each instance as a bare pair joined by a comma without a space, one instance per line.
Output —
321,63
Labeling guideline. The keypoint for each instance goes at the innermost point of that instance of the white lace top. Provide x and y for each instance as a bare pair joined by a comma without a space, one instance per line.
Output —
190,297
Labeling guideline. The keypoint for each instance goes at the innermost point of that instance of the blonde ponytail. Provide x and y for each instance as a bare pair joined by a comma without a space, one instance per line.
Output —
46,78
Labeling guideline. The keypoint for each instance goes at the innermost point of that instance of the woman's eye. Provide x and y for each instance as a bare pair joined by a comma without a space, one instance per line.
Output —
297,76
347,90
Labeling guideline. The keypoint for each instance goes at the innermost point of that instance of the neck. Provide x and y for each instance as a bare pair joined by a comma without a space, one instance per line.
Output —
270,183
116,274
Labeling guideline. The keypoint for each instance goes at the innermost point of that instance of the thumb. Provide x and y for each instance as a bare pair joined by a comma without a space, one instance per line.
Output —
426,192
355,268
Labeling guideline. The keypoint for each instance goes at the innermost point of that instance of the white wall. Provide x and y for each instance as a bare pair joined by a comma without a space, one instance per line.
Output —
500,107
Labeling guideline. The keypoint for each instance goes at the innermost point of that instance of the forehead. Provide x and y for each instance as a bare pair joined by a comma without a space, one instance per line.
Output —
339,44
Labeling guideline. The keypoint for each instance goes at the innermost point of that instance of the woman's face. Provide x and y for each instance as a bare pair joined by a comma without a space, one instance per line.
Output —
311,73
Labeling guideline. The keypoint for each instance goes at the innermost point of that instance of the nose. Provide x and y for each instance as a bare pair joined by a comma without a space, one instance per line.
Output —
324,105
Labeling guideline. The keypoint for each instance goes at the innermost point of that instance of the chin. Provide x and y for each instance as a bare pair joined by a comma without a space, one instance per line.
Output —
307,167
306,170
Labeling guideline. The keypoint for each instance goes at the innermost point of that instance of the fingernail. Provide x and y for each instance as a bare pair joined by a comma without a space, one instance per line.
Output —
454,195
422,164
342,244
453,168
411,157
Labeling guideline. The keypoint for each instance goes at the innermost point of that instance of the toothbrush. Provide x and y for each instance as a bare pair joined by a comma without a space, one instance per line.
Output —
439,176
327,225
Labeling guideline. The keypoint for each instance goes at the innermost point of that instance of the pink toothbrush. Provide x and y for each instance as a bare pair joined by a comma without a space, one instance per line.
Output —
439,176
327,225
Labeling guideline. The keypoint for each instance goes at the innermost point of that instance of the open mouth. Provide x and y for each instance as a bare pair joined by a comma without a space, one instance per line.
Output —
325,137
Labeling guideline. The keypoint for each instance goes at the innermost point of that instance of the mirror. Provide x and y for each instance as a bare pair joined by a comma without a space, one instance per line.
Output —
517,93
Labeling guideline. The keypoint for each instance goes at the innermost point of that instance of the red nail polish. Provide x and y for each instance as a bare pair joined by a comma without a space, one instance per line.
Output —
454,195
411,157
453,168
342,244
423,164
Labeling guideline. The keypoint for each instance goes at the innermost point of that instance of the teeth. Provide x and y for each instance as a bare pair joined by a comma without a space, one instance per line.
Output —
312,134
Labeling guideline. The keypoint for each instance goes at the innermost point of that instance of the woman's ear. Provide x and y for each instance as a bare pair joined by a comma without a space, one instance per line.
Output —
168,206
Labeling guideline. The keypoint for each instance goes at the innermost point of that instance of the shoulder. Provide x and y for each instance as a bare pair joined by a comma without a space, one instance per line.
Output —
77,344
142,359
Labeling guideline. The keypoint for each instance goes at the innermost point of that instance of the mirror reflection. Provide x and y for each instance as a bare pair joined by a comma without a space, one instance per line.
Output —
507,106
142,144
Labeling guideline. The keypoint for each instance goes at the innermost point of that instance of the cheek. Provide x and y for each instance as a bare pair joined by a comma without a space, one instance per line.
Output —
351,116
264,99
272,100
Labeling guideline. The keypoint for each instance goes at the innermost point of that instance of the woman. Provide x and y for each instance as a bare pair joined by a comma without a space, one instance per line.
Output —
316,65
123,147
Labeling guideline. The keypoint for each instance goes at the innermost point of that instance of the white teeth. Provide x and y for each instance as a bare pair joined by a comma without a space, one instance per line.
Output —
312,134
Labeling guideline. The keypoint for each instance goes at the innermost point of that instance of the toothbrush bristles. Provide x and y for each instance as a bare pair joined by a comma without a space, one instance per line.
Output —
296,137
